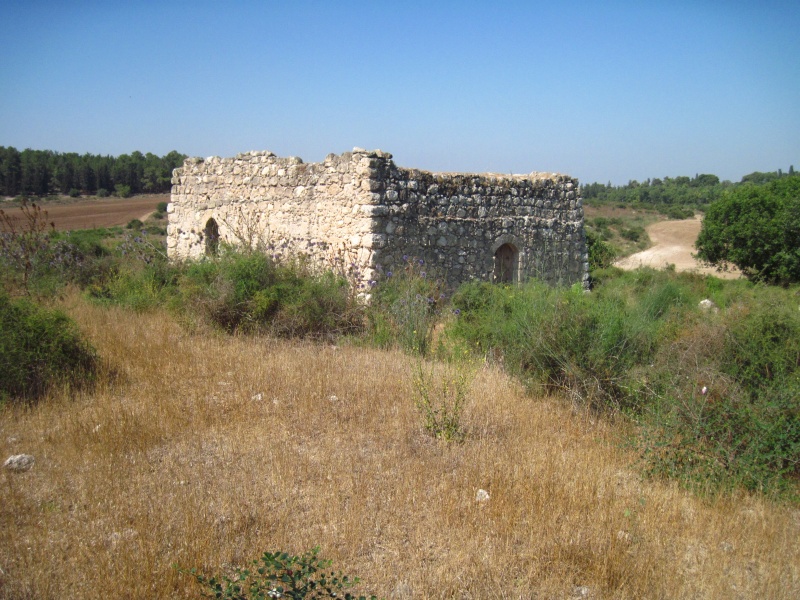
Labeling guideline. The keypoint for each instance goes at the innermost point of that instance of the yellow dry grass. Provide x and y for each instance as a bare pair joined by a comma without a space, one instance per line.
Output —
207,450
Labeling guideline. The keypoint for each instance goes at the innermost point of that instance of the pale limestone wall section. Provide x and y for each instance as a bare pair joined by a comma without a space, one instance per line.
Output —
324,209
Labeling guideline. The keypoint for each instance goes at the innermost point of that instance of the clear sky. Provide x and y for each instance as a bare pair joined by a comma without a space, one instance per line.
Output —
601,90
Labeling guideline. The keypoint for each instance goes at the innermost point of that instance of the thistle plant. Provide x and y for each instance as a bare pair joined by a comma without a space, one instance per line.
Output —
280,575
441,391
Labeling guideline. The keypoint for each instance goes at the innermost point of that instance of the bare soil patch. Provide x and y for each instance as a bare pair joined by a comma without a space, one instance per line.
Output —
673,244
97,212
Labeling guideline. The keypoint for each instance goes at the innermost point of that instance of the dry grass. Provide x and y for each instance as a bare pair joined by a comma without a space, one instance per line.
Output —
207,451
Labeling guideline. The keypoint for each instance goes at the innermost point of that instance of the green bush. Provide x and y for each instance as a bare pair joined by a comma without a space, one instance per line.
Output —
122,191
252,292
601,254
161,207
676,211
39,348
102,193
280,575
633,234
723,409
566,338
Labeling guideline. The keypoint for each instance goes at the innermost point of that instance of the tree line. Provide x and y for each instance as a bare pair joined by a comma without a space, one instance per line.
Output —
700,190
44,172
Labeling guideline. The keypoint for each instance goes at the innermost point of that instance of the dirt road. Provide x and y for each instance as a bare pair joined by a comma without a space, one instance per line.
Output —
673,243
88,214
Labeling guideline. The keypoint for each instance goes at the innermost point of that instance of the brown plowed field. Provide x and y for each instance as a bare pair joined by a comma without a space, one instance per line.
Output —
96,212
673,243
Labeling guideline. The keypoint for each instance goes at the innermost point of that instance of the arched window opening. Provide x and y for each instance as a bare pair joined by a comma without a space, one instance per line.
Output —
211,234
506,259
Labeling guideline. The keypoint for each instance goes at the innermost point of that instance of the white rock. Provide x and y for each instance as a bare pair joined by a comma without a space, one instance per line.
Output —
482,496
708,305
19,463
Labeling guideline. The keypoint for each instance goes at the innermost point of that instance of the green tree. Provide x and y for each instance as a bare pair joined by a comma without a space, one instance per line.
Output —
757,229
10,171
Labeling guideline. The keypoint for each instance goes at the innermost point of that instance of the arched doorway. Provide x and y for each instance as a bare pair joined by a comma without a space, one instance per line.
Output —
211,234
506,259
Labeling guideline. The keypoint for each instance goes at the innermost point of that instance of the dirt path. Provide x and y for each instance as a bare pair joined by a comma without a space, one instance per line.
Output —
88,214
673,243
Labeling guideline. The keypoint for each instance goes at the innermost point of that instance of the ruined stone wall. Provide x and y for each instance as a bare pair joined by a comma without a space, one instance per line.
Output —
259,199
457,222
361,205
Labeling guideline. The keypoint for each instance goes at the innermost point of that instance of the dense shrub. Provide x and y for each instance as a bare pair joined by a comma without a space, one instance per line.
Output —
601,253
24,244
565,338
715,394
253,292
39,348
723,407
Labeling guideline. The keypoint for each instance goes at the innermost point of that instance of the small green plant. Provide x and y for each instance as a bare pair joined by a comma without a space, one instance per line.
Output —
102,193
280,575
441,395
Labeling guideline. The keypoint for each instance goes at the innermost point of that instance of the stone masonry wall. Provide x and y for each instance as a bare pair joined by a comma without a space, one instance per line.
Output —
361,205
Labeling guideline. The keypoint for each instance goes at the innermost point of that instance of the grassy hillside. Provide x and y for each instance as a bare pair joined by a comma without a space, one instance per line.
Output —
205,450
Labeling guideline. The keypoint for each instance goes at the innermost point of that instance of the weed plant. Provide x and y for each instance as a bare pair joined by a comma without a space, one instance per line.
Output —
280,575
406,306
441,392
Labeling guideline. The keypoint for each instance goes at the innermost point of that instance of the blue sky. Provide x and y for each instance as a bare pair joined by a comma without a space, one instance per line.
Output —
603,91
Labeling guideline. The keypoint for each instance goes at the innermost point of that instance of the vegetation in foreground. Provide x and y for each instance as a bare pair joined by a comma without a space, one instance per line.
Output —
713,390
205,450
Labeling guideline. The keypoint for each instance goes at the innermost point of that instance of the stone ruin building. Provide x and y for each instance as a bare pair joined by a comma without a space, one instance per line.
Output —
360,205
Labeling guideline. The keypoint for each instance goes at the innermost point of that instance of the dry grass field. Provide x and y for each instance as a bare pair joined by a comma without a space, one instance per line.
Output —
207,450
